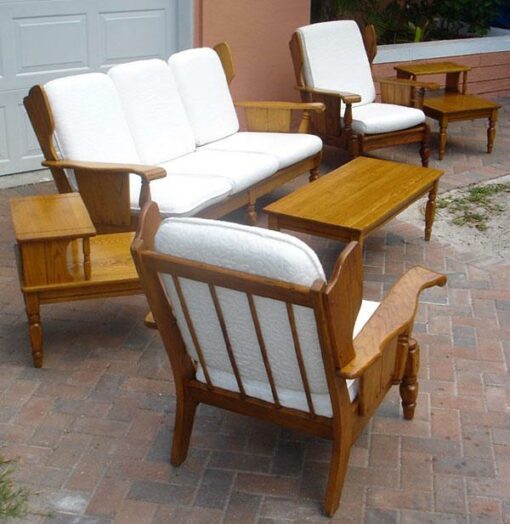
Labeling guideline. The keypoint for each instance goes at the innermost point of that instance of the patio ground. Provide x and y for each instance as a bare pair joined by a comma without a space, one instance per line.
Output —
92,430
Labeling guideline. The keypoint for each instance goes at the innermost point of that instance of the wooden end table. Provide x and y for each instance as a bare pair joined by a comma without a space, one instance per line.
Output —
355,199
61,259
454,104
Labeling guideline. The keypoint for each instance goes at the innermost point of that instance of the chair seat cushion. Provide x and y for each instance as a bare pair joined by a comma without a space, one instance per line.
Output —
384,118
242,169
182,195
288,397
288,148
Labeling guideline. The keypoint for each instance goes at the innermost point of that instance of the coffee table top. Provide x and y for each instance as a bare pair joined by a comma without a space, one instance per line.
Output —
358,196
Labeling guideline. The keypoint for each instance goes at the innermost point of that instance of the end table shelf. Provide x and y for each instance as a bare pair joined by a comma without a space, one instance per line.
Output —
60,258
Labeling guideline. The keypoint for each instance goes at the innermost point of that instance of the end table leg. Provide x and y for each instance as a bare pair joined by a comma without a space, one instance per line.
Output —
430,210
443,125
34,328
491,130
86,258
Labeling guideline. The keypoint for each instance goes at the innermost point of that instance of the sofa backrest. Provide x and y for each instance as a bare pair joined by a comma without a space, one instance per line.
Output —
205,93
334,58
154,110
89,120
261,252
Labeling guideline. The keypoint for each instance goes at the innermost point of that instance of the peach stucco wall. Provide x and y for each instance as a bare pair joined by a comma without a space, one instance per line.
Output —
258,32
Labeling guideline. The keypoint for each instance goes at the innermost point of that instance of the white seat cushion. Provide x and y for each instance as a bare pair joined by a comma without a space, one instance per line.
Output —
335,59
266,253
205,93
242,169
384,118
89,121
154,110
288,148
182,195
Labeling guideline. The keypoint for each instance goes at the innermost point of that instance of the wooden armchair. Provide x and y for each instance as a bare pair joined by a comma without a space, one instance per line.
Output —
250,324
332,64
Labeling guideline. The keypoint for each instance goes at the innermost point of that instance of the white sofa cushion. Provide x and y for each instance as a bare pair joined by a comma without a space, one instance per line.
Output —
288,148
384,118
154,110
335,59
89,121
205,93
182,195
242,169
262,252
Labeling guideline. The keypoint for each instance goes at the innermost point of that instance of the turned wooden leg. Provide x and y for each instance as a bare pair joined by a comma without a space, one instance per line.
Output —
251,214
32,308
337,470
314,174
184,417
425,147
430,210
409,384
443,126
491,130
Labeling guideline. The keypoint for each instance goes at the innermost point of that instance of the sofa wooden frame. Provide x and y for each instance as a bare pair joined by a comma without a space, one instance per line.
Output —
105,187
337,131
383,353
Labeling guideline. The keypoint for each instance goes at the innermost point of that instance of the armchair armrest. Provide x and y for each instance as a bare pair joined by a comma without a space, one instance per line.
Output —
344,96
404,92
394,316
277,116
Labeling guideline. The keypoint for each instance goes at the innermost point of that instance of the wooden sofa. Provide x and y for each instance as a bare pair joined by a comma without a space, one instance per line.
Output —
167,131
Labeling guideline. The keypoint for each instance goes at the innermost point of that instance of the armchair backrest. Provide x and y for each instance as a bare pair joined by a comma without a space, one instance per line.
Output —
334,58
248,308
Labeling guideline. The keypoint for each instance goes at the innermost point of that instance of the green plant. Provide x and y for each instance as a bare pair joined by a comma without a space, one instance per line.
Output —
13,501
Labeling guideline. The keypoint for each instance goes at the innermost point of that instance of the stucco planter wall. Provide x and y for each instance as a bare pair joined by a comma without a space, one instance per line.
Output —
488,56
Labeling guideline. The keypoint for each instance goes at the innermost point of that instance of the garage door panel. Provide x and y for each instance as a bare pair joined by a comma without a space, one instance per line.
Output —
4,148
47,44
132,35
45,39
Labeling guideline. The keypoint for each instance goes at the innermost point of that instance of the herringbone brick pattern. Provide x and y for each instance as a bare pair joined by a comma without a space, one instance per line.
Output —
92,430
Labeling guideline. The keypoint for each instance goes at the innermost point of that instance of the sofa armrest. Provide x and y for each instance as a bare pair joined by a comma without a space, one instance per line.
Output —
393,317
104,188
277,116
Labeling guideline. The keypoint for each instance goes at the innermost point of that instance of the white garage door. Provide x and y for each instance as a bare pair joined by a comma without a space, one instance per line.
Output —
45,39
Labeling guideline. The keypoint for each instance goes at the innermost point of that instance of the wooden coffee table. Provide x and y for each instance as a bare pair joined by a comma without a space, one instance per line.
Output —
355,199
454,104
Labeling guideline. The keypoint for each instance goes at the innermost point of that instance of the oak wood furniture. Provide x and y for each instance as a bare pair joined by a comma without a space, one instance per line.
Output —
167,131
61,259
454,104
358,197
263,333
332,65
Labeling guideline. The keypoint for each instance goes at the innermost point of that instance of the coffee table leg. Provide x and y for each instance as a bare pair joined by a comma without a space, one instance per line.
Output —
430,210
443,125
491,130
272,223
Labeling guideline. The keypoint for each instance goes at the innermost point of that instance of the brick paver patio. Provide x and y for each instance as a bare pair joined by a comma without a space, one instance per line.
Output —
92,430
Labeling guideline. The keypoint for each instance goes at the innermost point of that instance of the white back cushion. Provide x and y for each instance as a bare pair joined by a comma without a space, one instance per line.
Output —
205,93
261,252
89,121
154,110
335,59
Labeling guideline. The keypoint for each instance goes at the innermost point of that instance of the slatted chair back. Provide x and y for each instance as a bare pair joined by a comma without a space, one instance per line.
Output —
251,325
